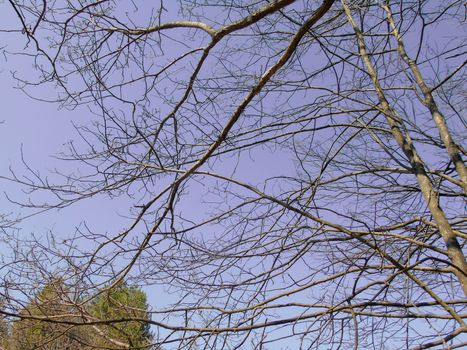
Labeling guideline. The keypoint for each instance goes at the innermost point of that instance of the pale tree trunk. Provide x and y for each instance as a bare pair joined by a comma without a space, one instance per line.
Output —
430,103
405,143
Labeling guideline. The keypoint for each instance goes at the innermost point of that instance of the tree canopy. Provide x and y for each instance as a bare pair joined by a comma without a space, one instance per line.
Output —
53,321
122,302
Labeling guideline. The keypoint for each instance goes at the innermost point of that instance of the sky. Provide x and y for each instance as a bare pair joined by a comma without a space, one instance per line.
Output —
37,131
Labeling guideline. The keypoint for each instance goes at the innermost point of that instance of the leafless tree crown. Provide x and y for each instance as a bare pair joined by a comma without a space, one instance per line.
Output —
293,169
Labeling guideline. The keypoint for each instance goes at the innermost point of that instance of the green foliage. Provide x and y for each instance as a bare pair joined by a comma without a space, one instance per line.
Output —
122,302
50,304
3,333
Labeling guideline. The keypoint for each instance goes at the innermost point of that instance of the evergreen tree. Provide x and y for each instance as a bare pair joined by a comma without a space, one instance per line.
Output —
123,302
40,327
45,321
3,333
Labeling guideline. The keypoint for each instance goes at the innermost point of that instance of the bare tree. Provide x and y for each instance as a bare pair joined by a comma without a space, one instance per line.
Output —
320,140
